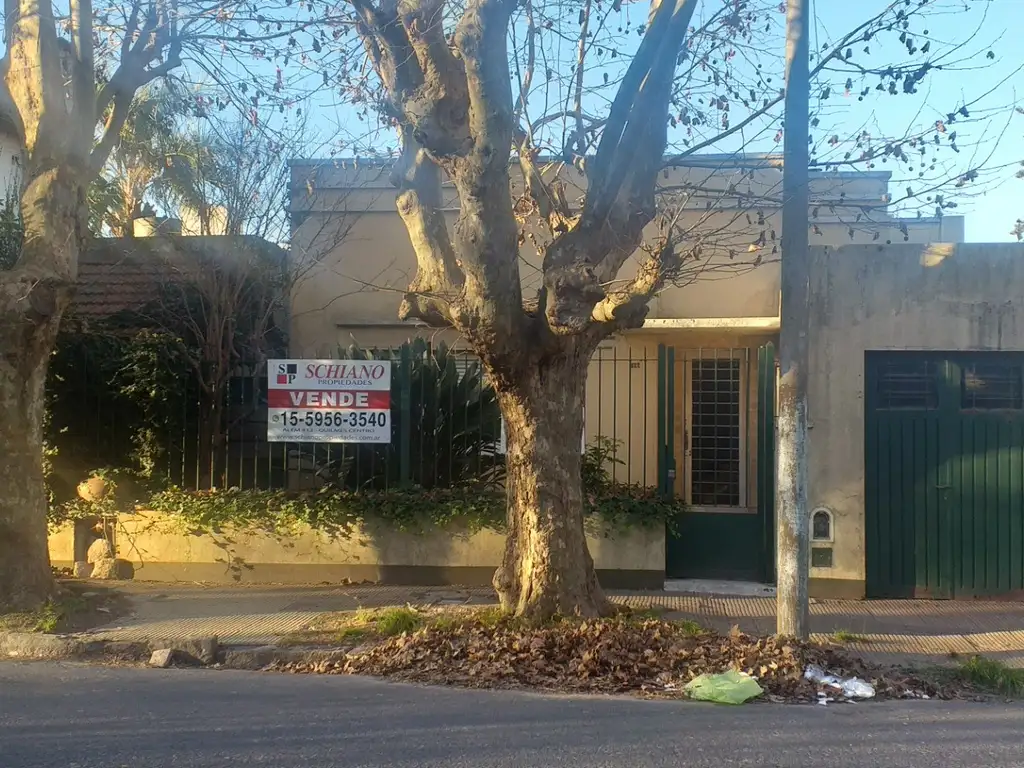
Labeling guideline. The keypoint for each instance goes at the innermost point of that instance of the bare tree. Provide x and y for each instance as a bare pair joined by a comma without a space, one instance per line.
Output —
468,86
225,295
234,178
68,86
50,94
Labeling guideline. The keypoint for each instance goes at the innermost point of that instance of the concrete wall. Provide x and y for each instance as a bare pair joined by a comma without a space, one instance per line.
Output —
355,260
933,297
162,550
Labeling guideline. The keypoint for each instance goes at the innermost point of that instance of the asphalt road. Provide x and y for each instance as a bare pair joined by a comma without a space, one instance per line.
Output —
72,716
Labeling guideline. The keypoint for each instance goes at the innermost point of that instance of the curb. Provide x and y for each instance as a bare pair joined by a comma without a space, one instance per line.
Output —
31,646
192,652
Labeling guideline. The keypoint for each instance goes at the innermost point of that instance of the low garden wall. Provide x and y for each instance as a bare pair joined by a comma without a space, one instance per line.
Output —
167,547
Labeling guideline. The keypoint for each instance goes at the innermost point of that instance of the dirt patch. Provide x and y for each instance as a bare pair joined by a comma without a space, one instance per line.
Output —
633,655
76,606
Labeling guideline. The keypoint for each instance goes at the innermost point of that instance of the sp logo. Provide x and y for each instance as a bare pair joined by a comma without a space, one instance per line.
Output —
286,373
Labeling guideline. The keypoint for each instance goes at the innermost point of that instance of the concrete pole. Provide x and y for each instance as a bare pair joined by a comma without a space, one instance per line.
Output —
793,555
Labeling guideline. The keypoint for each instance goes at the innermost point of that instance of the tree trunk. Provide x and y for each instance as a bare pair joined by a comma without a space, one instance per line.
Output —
211,442
547,569
25,577
33,298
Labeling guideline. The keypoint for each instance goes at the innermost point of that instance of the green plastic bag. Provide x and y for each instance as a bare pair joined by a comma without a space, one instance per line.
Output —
730,687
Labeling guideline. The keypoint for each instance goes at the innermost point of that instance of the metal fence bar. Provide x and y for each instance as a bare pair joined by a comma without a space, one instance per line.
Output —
446,426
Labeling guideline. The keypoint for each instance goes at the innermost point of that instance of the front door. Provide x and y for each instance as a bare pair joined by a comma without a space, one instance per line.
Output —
723,533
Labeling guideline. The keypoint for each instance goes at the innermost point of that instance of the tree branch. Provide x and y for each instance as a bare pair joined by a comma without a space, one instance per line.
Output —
621,179
139,49
438,278
627,307
548,199
526,80
581,56
156,39
83,77
486,233
425,83
34,78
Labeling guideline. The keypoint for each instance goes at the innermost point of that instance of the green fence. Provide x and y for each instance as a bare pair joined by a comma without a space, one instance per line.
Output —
673,418
445,429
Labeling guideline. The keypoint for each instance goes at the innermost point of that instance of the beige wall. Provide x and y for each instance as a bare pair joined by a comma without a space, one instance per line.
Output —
937,297
62,544
161,549
355,259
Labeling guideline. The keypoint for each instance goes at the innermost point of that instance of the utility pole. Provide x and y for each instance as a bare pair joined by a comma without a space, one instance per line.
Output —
793,532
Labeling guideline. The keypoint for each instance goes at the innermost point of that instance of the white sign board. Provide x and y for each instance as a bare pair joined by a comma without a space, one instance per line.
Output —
583,436
329,401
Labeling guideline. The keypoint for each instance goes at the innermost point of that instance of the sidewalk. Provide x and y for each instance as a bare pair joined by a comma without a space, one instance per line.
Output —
885,631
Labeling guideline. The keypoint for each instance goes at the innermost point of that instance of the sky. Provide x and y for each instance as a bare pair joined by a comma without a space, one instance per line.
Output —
996,140
989,217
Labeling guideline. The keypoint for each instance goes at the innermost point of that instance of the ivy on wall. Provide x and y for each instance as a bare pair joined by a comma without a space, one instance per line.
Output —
610,506
413,510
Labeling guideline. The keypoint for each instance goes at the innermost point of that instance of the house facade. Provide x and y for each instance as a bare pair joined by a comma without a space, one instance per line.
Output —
689,398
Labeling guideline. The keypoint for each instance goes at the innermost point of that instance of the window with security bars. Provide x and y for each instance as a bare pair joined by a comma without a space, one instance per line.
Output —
908,385
715,433
991,386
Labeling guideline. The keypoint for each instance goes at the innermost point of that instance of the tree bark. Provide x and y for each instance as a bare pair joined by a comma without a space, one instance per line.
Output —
33,298
547,569
210,456
25,345
48,91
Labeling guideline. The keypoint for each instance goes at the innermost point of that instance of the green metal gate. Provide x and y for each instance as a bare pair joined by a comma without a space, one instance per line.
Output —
944,480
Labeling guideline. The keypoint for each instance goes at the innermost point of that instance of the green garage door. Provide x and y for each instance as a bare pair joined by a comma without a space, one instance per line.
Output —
944,481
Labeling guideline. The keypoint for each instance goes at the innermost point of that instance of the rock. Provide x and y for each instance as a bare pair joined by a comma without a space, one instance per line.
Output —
111,569
101,549
209,649
82,569
162,658
203,649
191,650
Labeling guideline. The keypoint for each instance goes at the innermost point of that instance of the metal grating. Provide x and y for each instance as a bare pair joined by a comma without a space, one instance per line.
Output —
715,433
907,385
991,386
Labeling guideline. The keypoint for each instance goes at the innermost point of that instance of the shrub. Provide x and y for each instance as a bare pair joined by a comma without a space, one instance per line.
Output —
444,410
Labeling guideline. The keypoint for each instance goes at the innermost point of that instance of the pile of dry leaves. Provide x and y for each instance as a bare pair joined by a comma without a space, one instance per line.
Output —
619,655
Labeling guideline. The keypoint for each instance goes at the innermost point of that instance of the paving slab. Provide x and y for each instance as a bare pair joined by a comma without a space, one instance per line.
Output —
884,630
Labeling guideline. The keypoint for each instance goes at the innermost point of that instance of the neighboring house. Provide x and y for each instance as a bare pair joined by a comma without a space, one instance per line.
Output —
691,395
226,297
125,275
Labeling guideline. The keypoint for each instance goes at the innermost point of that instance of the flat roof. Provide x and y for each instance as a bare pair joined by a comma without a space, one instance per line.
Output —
747,160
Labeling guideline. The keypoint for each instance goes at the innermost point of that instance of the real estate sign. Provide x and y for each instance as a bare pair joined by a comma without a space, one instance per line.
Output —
329,401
